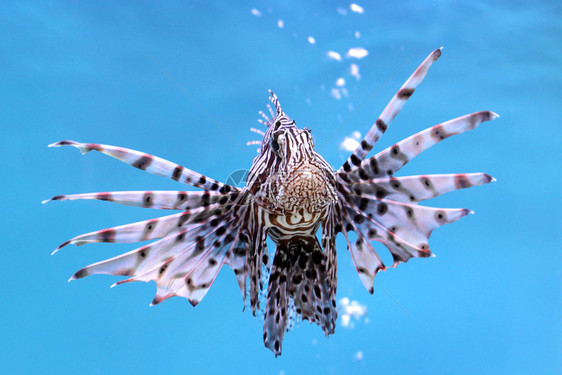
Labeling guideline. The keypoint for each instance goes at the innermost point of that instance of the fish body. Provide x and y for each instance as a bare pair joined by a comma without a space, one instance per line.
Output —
291,194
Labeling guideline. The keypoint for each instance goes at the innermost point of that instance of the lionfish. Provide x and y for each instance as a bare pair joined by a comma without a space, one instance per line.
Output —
290,192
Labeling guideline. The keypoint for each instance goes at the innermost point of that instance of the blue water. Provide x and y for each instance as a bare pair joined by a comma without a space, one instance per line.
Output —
489,303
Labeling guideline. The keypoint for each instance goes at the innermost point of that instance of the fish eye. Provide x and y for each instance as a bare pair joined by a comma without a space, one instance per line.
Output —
274,144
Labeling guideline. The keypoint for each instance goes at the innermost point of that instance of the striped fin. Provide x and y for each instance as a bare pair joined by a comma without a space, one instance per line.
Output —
275,101
146,229
151,164
395,157
138,260
400,249
329,233
418,188
222,240
390,160
184,263
190,272
237,257
148,257
404,228
257,255
265,120
389,113
167,200
298,275
364,256
412,222
223,243
367,262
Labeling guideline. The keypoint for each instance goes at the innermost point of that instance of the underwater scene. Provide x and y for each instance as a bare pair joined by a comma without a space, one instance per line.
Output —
287,229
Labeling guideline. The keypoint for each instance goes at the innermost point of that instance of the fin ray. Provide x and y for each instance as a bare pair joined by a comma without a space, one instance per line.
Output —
390,160
184,263
390,111
163,200
144,230
418,188
151,164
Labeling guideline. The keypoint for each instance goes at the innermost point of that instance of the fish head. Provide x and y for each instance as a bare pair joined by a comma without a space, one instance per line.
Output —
284,141
288,175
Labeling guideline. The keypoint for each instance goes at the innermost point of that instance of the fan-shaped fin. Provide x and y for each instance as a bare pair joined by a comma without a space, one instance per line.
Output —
412,217
395,157
146,229
138,260
404,228
184,264
194,275
191,275
390,112
149,257
374,231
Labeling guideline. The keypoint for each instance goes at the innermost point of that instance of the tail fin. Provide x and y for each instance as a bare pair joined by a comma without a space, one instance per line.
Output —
299,280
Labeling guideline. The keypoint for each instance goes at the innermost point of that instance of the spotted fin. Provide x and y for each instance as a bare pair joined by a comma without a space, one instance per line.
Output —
298,280
404,228
257,257
417,188
378,206
390,160
367,262
163,200
329,233
147,229
151,164
185,263
390,111
191,246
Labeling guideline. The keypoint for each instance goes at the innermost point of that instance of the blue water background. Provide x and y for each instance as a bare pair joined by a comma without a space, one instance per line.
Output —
489,303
